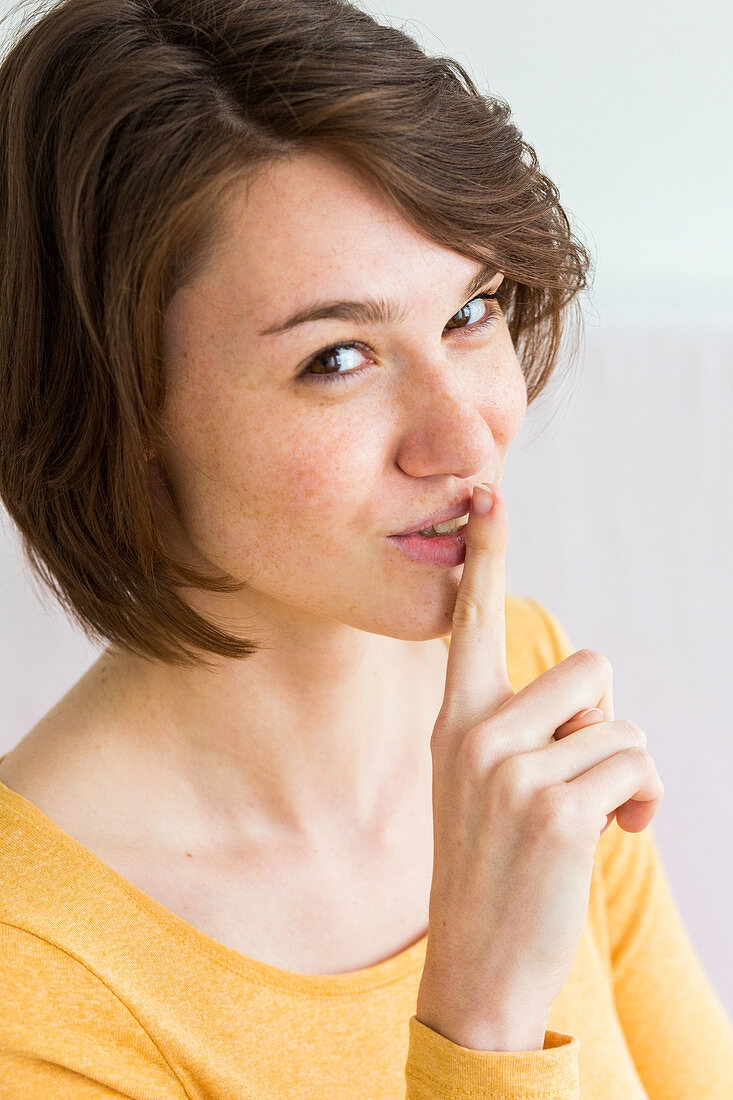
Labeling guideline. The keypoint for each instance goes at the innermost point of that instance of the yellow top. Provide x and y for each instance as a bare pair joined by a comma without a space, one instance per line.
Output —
105,992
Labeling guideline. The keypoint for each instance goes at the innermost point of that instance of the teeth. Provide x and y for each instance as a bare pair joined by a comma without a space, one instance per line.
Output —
447,527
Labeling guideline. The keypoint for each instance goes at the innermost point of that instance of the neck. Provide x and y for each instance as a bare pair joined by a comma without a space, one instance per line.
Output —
302,741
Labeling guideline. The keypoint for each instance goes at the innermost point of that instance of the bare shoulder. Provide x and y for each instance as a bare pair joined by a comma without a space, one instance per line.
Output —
65,765
49,770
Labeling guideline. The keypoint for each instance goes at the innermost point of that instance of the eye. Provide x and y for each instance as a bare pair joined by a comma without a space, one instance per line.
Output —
331,355
483,319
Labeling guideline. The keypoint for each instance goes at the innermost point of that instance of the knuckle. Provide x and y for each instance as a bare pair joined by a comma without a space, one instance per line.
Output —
595,660
445,723
485,745
515,779
554,811
467,611
632,733
439,736
638,756
474,753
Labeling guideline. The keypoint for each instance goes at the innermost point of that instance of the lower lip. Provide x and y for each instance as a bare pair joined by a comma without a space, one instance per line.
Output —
438,550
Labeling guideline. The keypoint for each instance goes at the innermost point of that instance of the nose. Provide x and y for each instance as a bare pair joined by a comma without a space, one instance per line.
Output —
446,427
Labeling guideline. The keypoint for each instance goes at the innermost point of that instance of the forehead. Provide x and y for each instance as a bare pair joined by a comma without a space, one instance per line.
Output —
311,225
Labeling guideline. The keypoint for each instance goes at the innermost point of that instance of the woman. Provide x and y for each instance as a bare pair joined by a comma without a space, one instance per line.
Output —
277,291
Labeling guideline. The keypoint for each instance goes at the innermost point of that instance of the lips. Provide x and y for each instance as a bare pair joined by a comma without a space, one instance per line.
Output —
451,511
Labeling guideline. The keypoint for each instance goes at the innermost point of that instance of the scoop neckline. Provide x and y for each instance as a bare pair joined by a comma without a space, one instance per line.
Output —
353,981
382,973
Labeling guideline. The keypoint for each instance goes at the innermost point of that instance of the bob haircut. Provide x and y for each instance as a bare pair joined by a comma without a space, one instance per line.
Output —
123,125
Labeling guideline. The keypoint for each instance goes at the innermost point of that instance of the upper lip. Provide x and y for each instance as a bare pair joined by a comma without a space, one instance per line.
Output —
451,511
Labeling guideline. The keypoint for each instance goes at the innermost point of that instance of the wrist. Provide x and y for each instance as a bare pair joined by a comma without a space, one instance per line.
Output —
483,1028
485,1035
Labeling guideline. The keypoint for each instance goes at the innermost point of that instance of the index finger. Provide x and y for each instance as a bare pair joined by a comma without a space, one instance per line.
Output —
477,682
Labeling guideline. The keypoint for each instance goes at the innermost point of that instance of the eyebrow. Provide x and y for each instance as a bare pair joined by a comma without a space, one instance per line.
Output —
371,311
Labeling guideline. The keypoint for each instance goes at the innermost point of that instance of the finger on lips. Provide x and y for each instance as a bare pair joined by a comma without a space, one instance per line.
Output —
477,681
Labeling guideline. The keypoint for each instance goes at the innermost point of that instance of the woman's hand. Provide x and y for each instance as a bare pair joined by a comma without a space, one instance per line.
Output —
524,785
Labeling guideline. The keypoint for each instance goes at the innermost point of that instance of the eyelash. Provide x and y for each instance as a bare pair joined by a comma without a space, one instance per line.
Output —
488,320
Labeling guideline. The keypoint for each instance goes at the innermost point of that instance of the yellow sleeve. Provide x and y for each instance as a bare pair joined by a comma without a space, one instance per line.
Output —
64,1033
438,1069
675,1026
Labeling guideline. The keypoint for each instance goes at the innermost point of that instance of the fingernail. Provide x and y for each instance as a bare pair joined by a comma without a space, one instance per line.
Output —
591,710
482,500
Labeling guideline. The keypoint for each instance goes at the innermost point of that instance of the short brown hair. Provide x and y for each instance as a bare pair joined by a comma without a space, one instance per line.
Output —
123,124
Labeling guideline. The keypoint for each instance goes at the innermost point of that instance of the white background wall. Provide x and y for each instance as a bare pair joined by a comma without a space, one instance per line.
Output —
619,482
628,106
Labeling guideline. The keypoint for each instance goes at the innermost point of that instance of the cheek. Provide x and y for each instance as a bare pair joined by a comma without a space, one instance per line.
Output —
272,478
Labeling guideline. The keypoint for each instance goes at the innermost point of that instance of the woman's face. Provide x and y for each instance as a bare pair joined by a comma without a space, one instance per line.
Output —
292,481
